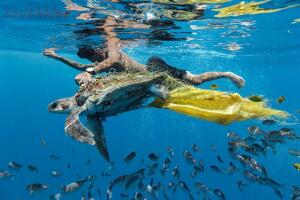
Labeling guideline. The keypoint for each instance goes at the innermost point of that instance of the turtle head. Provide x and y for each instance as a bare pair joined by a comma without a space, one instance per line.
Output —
64,105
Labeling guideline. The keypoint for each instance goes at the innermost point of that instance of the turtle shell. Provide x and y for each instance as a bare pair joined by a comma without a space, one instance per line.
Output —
116,93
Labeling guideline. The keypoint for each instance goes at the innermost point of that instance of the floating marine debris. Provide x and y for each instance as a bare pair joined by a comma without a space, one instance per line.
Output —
180,15
235,34
35,187
251,8
215,106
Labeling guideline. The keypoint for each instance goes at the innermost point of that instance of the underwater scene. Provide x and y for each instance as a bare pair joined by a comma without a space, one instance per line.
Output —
152,99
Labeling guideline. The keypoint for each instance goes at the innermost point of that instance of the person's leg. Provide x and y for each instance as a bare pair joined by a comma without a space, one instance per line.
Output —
197,79
157,64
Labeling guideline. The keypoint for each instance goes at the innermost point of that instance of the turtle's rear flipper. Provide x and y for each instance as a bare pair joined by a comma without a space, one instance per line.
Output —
95,125
92,136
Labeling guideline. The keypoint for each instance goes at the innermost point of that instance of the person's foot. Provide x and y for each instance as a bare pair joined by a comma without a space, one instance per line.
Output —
237,80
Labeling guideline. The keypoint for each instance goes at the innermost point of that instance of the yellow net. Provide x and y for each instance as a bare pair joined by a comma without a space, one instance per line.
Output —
220,107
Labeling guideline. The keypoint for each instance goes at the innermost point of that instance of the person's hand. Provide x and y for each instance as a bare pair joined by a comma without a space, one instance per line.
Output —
50,52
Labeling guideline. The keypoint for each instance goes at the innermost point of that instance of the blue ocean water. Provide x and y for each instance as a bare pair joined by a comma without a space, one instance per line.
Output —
269,60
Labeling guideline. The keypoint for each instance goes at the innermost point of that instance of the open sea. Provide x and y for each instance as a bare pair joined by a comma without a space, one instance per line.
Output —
263,48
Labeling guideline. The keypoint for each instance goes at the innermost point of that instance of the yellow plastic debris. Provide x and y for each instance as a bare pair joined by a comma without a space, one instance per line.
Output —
215,106
251,8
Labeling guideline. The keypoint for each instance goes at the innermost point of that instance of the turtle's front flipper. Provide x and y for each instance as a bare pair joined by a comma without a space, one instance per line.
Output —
95,125
92,136
75,129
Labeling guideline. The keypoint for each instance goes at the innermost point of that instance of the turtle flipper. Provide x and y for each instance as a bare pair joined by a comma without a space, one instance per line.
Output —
95,125
75,129
93,135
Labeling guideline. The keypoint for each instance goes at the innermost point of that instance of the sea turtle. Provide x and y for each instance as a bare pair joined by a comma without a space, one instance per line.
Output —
101,97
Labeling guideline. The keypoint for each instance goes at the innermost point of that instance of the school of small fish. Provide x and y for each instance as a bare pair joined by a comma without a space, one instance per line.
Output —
161,176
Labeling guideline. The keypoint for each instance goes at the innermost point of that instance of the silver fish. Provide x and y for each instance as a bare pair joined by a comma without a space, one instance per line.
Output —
153,157
189,157
73,186
255,131
170,151
175,172
14,165
186,189
195,148
294,152
32,168
56,196
129,157
215,169
55,173
219,194
35,187
5,174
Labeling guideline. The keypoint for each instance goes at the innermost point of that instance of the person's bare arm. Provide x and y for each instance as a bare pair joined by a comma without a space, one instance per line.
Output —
101,67
209,76
51,54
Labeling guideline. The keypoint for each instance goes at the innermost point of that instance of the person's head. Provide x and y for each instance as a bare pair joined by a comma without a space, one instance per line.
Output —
85,52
